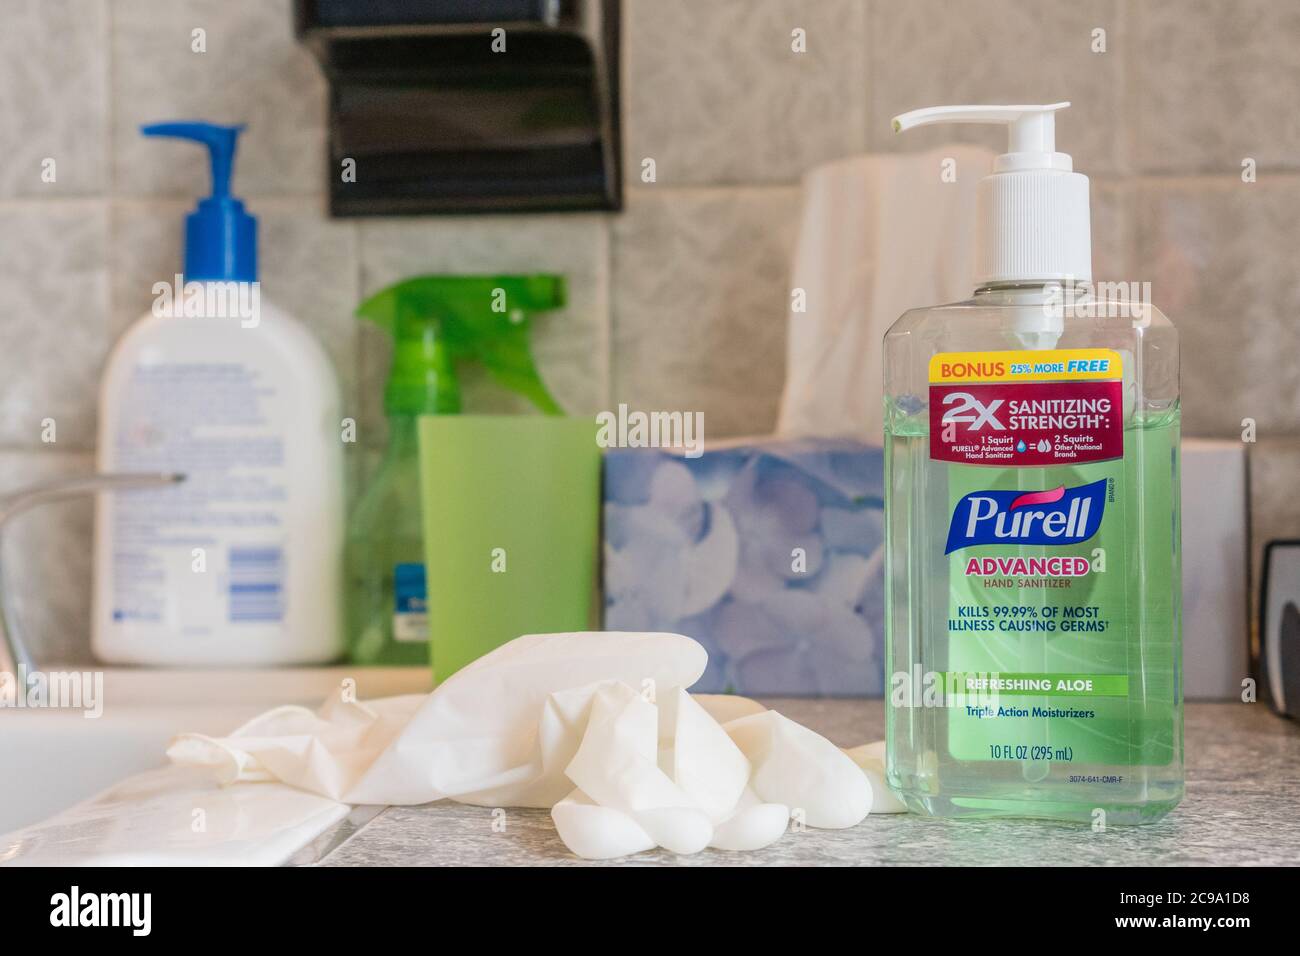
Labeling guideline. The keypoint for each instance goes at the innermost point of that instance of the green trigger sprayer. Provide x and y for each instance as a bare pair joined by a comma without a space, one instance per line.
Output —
436,322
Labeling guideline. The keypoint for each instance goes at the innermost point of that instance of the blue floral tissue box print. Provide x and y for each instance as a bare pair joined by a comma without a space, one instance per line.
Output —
770,554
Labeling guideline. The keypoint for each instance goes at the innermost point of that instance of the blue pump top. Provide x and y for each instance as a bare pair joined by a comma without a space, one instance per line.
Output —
220,237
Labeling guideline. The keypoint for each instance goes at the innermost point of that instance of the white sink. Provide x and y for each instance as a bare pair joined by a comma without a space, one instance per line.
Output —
52,759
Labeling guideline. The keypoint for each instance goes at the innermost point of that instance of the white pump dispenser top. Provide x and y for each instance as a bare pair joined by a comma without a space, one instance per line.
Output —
1033,209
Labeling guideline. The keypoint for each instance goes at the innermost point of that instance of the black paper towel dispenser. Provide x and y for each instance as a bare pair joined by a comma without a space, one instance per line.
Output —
448,106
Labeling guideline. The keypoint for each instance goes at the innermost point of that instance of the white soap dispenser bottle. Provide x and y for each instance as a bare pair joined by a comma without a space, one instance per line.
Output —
240,563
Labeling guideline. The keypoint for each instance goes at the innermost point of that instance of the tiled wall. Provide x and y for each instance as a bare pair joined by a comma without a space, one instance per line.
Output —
678,301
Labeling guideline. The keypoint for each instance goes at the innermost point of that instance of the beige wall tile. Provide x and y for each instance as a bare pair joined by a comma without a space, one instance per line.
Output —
935,52
1215,83
1220,256
148,246
54,290
714,92
253,72
700,298
54,97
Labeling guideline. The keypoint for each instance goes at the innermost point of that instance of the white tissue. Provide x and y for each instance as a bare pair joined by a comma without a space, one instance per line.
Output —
149,819
596,726
865,254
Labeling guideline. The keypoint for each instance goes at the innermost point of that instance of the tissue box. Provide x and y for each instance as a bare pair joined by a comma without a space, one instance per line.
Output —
769,553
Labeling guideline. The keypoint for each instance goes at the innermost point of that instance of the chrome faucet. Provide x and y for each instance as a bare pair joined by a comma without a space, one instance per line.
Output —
13,650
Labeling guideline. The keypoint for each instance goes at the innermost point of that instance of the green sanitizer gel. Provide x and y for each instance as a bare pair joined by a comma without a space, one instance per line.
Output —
1032,508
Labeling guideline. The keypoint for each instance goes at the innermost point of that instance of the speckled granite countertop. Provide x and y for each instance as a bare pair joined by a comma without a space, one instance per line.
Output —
1242,808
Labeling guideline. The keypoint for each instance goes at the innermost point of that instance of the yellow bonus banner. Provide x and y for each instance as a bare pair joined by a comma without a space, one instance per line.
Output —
1046,365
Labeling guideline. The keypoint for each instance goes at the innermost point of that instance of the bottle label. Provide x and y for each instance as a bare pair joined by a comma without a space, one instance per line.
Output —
1010,516
1051,537
210,551
410,603
1030,408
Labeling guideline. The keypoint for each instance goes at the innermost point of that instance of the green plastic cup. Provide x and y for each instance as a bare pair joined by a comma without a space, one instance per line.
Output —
511,510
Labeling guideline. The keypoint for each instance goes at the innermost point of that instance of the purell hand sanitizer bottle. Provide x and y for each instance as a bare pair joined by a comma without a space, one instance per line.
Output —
1031,446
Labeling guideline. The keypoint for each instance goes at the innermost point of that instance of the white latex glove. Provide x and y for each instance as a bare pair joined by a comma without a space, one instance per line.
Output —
596,726
871,758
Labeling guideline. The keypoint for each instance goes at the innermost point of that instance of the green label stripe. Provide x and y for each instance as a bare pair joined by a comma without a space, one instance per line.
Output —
1035,685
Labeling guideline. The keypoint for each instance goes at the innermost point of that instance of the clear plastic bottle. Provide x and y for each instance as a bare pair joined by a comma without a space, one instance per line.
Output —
1032,510
387,613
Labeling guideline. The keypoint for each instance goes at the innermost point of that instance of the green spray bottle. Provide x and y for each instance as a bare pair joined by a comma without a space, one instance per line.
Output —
436,322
